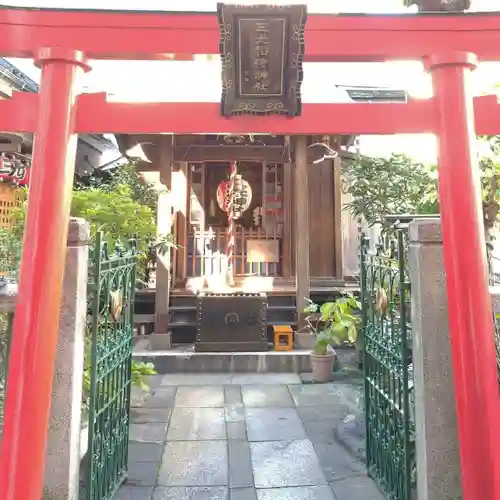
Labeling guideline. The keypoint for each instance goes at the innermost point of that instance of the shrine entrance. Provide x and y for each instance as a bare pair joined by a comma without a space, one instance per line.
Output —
62,42
257,247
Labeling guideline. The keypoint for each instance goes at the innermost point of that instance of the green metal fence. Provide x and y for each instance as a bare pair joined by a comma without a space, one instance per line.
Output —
385,297
111,295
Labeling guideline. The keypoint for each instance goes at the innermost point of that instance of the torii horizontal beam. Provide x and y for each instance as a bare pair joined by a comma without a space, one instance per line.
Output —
171,35
97,116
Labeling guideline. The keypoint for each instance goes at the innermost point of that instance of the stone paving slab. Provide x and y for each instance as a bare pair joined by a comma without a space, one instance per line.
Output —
148,432
196,424
145,452
266,437
273,424
200,397
317,413
351,433
142,473
336,462
243,494
357,488
315,395
191,493
301,492
278,464
232,395
234,412
264,396
194,463
163,397
150,415
196,379
236,430
134,493
240,464
320,431
265,379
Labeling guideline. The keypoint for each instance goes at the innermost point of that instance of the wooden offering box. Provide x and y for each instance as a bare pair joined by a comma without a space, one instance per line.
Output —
231,322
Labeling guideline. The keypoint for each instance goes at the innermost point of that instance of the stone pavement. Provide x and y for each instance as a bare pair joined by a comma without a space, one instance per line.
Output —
247,437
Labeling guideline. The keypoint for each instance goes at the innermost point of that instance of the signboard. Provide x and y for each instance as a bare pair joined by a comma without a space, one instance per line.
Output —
13,171
262,48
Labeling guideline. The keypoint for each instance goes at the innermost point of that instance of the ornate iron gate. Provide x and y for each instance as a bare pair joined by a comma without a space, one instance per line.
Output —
385,295
6,322
111,291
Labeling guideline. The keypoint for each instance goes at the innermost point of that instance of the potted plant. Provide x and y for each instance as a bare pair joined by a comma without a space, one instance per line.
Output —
336,326
305,338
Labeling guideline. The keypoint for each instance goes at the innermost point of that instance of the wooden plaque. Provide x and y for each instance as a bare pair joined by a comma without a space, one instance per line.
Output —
263,251
262,49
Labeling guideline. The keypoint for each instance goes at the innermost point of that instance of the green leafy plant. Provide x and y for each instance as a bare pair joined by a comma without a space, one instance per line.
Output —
10,253
163,244
333,323
140,371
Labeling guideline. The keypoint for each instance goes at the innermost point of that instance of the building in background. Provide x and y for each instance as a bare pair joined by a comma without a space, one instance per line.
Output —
93,151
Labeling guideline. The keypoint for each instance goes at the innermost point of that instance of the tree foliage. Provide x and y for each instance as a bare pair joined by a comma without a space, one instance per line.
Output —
439,5
125,174
121,205
399,185
392,185
490,186
117,214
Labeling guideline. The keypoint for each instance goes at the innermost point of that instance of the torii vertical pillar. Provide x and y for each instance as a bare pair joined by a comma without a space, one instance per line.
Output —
36,323
469,304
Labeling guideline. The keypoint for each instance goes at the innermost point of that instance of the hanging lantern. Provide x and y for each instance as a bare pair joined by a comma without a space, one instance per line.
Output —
242,195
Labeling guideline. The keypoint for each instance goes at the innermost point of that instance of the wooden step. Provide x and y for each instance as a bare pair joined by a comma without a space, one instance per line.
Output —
178,308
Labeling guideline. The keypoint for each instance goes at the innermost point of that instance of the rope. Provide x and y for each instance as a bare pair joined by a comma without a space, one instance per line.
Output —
230,223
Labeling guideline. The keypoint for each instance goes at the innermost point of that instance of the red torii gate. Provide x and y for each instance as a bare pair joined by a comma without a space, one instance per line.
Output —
61,42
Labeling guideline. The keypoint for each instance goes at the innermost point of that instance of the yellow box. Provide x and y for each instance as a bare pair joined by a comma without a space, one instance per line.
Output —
283,337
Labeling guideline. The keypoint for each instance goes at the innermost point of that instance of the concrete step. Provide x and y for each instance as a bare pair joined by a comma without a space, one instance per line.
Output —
183,359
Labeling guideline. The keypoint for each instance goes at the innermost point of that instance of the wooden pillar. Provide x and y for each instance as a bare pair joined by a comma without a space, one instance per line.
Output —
301,231
164,226
287,215
337,212
181,189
